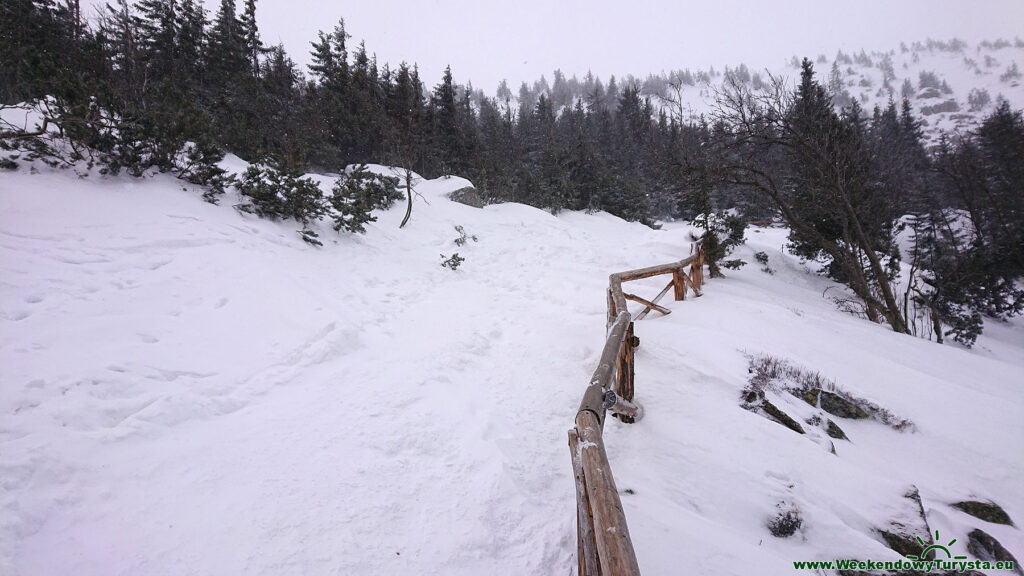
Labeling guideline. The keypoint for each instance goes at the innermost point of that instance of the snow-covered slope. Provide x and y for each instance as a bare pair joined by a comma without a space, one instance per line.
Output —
951,85
188,390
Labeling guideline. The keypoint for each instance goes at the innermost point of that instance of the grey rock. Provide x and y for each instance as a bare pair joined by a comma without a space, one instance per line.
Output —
468,196
985,547
987,511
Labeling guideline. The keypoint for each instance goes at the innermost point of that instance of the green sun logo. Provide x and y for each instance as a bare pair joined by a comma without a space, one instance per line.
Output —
927,549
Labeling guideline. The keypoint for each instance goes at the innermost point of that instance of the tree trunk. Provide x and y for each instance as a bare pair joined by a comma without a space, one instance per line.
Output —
408,194
857,282
892,309
936,323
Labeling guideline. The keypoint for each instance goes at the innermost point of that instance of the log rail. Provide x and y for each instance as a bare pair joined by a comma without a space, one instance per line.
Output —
603,544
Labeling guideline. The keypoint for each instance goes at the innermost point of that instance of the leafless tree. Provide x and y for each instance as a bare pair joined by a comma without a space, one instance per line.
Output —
767,139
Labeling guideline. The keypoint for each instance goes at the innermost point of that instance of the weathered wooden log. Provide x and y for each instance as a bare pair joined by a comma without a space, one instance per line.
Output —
612,312
660,295
624,384
618,405
615,287
696,290
609,356
697,267
614,547
586,545
655,270
678,284
593,401
646,302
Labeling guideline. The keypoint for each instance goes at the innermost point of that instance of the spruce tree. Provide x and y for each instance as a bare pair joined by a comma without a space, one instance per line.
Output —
329,104
227,54
254,49
157,24
446,136
191,43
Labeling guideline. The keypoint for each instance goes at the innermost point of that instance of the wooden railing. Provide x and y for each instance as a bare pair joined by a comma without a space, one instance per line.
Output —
603,544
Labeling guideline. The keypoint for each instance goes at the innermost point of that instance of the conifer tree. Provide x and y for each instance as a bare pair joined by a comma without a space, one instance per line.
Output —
191,43
157,24
254,49
330,99
446,136
227,54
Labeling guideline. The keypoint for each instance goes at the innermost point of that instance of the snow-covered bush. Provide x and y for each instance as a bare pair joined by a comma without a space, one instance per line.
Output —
978,98
198,163
277,191
1012,73
357,193
928,79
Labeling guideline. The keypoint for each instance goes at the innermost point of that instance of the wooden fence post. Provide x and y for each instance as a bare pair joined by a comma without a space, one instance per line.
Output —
677,283
624,386
697,269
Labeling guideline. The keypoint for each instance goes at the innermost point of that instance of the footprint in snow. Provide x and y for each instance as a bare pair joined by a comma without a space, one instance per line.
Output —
172,375
15,315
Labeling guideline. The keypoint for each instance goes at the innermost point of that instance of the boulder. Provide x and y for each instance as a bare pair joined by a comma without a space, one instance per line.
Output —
905,533
836,405
781,417
987,511
985,547
468,196
835,431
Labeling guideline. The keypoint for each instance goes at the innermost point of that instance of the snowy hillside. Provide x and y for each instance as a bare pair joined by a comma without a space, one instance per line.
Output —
951,85
189,390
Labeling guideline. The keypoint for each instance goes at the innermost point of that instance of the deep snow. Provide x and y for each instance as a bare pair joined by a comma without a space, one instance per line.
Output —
188,390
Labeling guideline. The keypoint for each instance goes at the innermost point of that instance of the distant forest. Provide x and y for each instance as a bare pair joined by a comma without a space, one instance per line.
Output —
160,86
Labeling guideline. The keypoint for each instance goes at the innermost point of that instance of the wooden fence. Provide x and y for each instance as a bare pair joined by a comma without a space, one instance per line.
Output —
603,544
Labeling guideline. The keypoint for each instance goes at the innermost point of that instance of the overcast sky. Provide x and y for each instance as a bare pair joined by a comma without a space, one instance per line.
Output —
522,39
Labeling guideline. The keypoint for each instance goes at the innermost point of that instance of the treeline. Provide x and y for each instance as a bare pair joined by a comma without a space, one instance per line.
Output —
161,86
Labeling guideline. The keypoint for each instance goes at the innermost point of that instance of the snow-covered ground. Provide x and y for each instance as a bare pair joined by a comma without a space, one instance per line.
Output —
188,390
